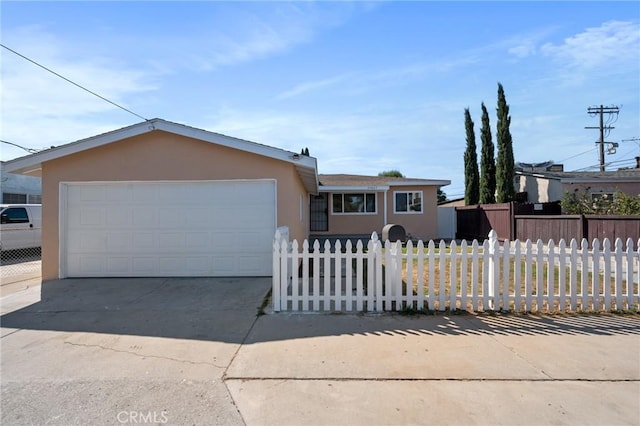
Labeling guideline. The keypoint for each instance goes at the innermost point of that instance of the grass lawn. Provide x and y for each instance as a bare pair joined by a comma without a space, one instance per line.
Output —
543,280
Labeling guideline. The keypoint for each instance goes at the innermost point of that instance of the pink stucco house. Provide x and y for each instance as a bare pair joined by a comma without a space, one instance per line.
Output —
163,199
353,206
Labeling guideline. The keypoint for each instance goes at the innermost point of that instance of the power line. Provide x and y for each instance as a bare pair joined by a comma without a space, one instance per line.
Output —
74,83
577,155
29,150
626,160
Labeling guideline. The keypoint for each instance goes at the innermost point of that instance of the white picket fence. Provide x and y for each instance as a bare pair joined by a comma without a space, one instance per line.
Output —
508,276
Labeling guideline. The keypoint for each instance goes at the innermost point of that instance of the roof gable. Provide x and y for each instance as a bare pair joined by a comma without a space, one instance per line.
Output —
30,165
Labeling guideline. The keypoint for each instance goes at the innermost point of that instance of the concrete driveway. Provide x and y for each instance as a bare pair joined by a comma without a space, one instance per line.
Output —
124,351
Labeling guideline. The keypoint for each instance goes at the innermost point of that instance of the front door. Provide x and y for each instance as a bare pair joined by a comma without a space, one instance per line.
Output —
319,212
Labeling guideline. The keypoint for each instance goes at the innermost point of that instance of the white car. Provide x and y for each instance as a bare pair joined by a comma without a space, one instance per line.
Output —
20,226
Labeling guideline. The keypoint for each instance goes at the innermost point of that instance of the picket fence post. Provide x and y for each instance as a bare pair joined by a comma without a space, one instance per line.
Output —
275,280
492,281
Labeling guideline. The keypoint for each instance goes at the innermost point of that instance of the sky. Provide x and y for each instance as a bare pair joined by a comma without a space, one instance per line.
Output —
366,86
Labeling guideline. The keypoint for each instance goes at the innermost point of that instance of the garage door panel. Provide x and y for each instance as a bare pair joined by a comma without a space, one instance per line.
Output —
214,228
143,266
118,266
118,193
144,217
118,242
87,242
197,241
142,241
90,217
119,218
224,265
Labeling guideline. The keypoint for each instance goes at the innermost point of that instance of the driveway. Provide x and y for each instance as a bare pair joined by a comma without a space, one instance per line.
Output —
117,351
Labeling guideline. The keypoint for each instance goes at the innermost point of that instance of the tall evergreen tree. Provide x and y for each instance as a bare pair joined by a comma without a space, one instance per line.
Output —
487,162
471,178
505,167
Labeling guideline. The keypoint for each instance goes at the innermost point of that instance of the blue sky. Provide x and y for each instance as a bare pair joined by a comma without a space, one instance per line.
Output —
366,86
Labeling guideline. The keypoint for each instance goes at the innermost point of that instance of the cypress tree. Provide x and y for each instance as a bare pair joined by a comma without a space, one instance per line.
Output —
487,162
471,178
505,167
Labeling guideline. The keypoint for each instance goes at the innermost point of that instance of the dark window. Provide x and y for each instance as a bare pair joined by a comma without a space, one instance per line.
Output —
337,203
319,213
354,203
408,202
15,215
9,198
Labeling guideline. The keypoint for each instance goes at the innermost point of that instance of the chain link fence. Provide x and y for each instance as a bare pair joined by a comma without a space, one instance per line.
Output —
19,265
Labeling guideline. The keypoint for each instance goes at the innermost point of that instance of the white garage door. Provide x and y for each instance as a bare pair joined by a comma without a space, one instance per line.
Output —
151,229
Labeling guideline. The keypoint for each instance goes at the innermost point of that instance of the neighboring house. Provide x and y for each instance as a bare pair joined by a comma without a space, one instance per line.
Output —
447,218
18,189
164,199
456,202
353,206
543,187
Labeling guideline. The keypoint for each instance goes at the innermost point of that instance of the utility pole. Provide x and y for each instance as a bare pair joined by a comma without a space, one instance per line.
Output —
601,111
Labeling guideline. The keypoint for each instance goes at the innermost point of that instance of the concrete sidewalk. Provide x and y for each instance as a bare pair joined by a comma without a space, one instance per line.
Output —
396,370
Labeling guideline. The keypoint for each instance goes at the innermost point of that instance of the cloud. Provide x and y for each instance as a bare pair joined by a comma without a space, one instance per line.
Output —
312,86
40,109
258,32
523,49
612,43
363,82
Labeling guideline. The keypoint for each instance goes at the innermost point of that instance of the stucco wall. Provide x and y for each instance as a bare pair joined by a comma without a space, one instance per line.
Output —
350,224
629,188
164,156
422,226
540,190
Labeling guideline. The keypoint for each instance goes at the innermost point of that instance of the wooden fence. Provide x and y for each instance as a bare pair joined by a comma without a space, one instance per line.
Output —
514,221
508,276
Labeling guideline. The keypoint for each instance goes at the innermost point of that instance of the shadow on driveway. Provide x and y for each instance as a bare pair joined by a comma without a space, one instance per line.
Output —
209,309
224,310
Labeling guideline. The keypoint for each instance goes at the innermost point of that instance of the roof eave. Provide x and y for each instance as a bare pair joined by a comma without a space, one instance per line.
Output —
32,164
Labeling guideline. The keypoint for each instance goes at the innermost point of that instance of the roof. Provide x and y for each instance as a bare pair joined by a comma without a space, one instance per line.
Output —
376,183
623,175
32,164
452,203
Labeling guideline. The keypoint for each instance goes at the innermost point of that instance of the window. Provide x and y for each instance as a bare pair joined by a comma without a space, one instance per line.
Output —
408,202
15,215
603,197
10,198
34,199
319,212
354,203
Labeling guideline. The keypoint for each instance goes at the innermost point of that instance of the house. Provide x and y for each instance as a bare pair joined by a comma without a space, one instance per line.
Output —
354,206
18,189
163,199
549,186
